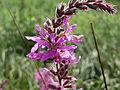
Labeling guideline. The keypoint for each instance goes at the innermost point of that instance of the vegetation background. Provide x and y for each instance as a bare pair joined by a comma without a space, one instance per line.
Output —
19,71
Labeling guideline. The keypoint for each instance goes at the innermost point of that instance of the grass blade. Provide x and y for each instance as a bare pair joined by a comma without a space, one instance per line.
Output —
18,29
26,44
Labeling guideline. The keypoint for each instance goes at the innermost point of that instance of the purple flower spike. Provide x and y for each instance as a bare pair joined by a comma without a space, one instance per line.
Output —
51,44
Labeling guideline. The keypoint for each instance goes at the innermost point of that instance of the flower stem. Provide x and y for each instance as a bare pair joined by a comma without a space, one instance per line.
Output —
58,75
41,76
99,58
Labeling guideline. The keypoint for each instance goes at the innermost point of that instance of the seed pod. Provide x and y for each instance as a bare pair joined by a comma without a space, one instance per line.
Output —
107,8
53,72
57,22
92,6
72,3
52,86
65,73
59,30
60,10
70,12
48,25
68,86
68,77
66,82
83,8
48,22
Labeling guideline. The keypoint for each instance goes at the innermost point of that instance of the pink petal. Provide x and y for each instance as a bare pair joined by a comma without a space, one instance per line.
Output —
69,37
61,40
74,87
66,54
37,76
49,54
52,37
34,38
65,22
40,30
75,39
79,36
39,40
71,28
73,79
47,76
34,56
69,48
43,43
35,47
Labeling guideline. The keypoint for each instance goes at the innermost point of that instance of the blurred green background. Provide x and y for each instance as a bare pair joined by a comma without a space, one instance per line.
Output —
19,71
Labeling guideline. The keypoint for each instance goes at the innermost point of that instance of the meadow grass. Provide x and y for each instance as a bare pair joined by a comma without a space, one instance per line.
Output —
18,70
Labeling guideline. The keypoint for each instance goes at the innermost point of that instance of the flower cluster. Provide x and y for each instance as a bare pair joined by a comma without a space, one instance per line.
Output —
53,39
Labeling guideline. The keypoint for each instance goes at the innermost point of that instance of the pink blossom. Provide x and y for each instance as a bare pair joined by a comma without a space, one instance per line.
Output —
34,56
47,77
55,46
70,37
54,37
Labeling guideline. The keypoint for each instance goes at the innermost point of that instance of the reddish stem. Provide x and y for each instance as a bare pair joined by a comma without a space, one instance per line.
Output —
58,75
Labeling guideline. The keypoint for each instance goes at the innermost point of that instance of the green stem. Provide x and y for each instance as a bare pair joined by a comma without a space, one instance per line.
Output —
40,75
99,58
59,79
18,28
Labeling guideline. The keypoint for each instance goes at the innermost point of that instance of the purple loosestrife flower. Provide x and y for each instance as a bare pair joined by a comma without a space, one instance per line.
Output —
60,53
53,84
48,78
70,37
54,36
53,42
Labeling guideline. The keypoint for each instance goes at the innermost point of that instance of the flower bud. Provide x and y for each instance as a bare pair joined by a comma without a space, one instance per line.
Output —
60,10
70,12
52,86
